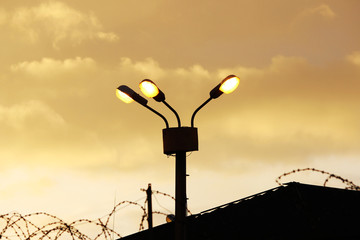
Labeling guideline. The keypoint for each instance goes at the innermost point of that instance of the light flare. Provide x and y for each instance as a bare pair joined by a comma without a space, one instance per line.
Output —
149,88
123,96
229,84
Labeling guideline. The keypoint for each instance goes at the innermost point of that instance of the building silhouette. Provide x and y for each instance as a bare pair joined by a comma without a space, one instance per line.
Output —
293,211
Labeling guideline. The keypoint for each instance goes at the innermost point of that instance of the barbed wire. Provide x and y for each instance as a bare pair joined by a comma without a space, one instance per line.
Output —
164,194
17,226
349,184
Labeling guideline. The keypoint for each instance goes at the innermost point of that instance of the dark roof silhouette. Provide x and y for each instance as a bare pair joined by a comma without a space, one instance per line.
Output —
292,211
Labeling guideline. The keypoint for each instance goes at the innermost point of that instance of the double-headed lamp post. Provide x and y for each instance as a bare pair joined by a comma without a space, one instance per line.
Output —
176,140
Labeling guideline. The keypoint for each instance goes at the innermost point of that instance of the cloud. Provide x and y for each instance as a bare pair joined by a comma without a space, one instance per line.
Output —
321,10
35,133
30,115
59,22
354,58
195,70
25,127
311,28
49,67
147,67
111,37
289,109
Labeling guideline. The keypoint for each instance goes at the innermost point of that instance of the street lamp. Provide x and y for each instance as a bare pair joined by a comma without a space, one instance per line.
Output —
177,140
150,90
227,85
127,95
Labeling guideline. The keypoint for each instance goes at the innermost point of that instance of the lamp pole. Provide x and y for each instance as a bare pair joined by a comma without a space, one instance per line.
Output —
180,195
178,140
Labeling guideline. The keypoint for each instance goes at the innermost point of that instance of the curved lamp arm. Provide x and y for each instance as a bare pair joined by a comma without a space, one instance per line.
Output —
201,106
173,110
128,95
151,90
159,114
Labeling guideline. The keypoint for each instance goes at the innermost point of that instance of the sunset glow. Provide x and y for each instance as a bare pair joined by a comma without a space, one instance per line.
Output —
70,148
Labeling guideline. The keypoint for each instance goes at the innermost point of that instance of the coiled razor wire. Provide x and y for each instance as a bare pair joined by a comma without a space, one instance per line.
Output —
17,226
349,184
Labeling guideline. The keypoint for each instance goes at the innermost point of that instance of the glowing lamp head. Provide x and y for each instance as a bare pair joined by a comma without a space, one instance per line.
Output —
123,96
149,88
229,84
127,95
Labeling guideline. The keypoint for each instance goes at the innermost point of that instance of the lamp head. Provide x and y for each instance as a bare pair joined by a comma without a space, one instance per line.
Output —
150,90
227,85
127,95
123,96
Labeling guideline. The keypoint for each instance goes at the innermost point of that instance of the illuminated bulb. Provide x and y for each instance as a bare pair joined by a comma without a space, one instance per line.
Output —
170,218
149,88
123,96
229,84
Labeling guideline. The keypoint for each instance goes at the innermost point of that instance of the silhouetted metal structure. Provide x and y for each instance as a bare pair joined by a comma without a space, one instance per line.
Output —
293,211
178,140
149,204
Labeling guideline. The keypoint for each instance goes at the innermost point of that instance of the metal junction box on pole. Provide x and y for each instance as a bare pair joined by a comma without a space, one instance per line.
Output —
180,139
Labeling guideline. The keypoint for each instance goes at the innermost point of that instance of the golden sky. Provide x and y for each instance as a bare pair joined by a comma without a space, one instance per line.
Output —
68,146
